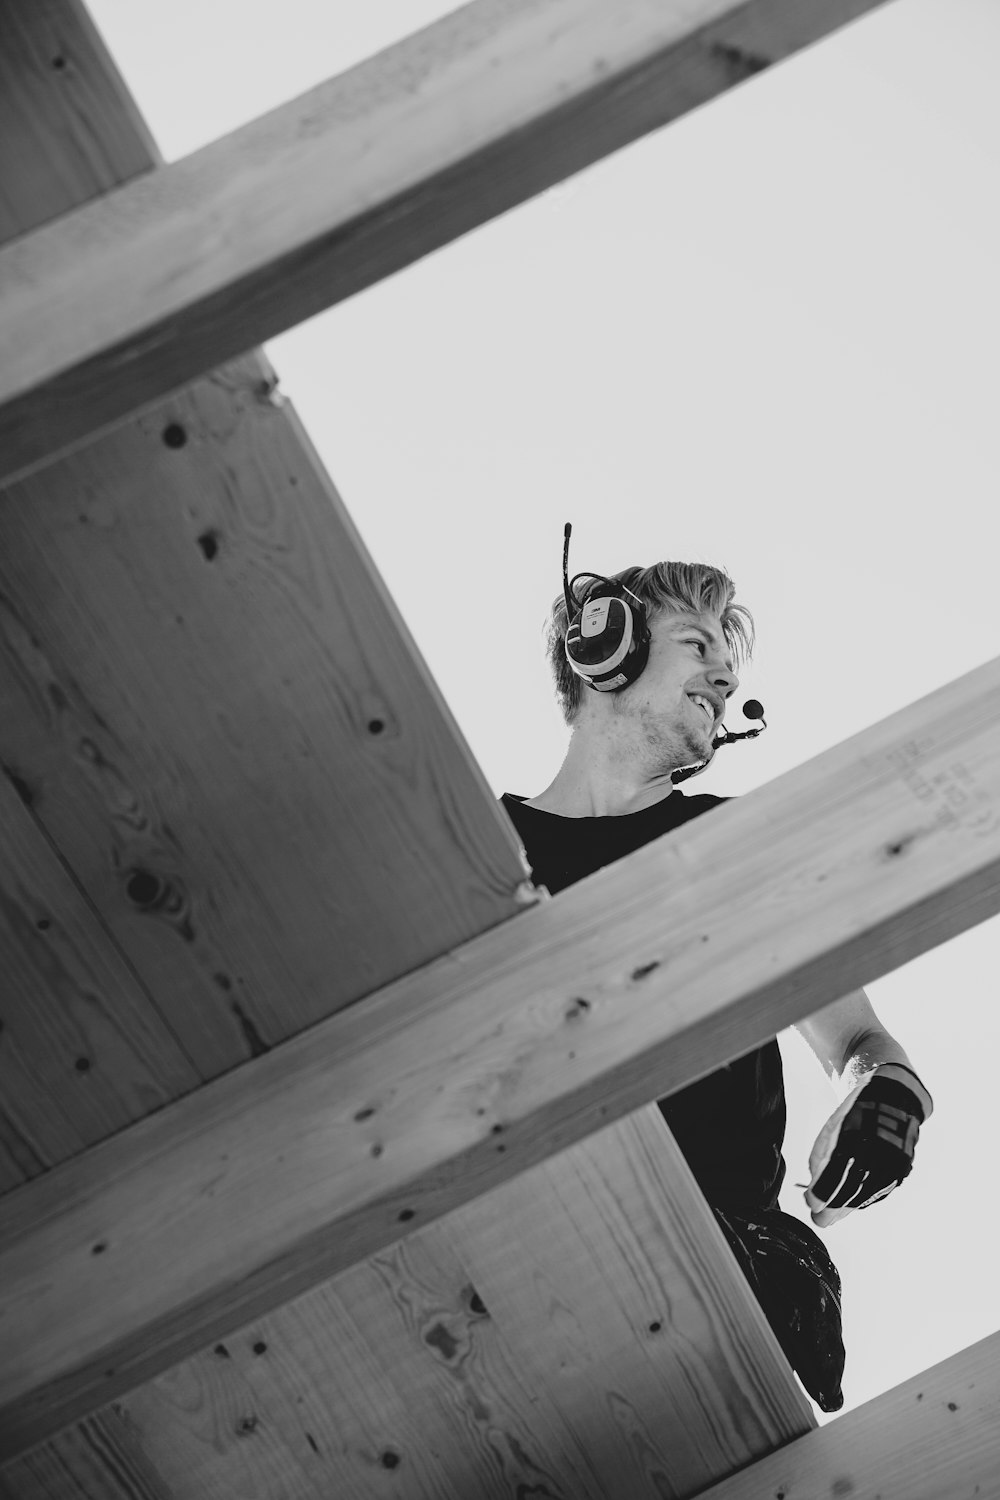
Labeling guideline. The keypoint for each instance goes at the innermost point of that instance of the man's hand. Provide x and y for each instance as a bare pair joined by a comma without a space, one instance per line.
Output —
866,1147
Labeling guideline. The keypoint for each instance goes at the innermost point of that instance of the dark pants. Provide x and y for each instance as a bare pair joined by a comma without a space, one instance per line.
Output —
797,1285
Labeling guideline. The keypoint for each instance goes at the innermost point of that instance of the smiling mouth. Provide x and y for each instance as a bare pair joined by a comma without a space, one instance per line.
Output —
706,707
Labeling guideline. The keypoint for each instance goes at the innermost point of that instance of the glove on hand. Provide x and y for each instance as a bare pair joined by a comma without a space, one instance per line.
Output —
865,1149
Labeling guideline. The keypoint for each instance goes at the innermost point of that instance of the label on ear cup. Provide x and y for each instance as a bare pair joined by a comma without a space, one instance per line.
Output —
612,682
594,619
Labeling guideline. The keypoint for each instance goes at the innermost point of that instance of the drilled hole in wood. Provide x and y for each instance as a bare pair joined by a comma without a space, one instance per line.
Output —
209,544
174,435
142,888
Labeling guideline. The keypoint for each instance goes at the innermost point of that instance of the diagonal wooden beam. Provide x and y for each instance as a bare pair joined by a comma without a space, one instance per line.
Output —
128,298
934,1437
414,1101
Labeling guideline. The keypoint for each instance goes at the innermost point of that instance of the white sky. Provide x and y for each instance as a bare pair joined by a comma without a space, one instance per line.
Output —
765,337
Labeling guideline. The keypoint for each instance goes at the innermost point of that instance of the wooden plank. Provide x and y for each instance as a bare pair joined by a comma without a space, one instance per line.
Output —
582,1333
629,985
127,300
195,657
935,1437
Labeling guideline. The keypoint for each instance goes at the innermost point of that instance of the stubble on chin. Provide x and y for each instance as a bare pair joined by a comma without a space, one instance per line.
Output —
668,746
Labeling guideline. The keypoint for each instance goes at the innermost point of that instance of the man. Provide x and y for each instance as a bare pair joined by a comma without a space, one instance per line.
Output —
644,665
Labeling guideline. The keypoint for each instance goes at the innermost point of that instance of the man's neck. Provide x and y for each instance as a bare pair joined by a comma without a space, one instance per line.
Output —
589,785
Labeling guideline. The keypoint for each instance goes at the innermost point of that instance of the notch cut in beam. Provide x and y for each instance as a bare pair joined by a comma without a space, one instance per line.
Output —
625,987
108,310
934,1437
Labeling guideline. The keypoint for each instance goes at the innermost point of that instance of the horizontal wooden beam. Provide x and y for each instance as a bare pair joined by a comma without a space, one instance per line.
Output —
934,1437
625,987
121,302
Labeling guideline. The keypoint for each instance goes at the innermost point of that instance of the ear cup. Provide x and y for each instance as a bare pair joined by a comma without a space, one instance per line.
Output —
607,643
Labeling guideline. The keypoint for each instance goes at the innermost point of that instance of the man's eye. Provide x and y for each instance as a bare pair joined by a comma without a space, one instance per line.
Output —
693,640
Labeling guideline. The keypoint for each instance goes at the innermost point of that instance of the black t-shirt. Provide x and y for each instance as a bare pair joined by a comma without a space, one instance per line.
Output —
731,1124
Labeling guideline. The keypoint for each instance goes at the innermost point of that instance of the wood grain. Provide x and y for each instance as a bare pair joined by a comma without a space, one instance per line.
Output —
627,986
82,1052
581,1333
127,300
68,127
935,1437
99,1459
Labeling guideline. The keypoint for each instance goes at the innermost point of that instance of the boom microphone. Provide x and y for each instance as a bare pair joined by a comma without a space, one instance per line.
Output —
751,710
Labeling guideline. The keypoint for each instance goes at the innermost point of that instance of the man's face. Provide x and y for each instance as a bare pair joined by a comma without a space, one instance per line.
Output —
678,703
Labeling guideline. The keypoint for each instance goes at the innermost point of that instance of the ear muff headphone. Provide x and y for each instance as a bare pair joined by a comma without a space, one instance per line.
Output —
607,639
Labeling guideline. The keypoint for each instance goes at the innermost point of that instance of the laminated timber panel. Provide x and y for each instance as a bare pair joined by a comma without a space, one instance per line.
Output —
627,986
581,1333
240,800
129,299
935,1437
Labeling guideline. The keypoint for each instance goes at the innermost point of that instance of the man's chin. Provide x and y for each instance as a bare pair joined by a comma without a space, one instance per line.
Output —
702,747
695,755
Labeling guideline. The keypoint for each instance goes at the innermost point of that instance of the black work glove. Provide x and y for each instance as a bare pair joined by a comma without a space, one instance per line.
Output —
866,1147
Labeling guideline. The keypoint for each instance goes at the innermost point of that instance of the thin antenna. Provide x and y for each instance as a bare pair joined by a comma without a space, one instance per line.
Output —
570,604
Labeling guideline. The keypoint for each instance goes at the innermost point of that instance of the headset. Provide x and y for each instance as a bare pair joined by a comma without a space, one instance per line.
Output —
607,636
607,644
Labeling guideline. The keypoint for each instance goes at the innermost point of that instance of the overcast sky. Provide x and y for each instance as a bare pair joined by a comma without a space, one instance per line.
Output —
765,337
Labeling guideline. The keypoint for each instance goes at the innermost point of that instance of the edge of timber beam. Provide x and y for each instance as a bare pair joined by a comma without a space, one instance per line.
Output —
934,1437
627,986
121,302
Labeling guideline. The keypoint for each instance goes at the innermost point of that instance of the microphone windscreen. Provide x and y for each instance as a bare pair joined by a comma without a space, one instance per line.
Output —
752,709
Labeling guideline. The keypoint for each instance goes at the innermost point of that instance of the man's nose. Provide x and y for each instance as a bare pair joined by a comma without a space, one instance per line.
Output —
725,680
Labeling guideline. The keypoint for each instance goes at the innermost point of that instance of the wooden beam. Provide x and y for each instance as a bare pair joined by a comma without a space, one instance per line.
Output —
455,1078
934,1437
125,300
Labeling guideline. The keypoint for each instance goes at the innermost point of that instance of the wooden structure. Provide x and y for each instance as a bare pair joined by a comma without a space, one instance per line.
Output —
327,1162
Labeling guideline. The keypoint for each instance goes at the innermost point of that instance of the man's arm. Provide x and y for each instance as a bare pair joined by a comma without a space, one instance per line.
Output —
850,1042
866,1147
